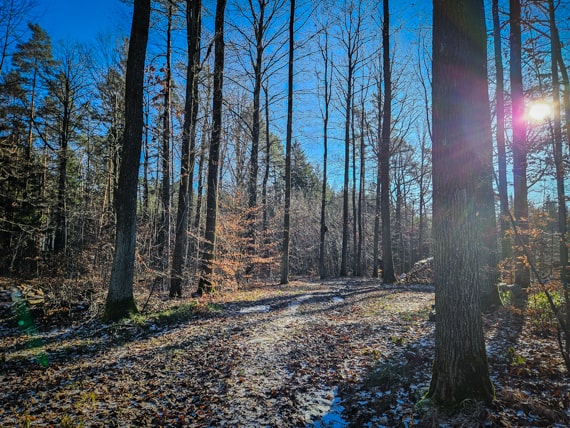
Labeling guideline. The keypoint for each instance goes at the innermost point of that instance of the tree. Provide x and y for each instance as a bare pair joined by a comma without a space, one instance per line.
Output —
120,300
13,14
519,146
500,132
205,284
352,43
324,50
32,61
167,83
388,275
288,142
64,112
558,147
461,123
193,31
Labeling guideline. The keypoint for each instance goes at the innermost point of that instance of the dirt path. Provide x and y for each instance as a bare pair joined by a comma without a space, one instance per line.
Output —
336,353
278,357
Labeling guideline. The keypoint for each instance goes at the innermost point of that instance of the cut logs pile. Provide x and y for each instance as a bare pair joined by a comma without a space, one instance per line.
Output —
421,273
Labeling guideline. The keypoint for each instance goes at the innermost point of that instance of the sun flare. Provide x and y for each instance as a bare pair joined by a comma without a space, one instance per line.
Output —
539,111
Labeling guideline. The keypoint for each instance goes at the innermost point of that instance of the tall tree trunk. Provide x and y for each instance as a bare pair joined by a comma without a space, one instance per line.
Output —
205,284
289,137
326,99
164,228
558,151
193,31
522,272
345,193
421,226
361,266
378,265
146,163
267,166
461,123
355,260
388,275
60,242
501,152
120,301
255,126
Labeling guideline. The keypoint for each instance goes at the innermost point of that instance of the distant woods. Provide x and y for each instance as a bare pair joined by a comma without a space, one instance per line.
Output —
359,138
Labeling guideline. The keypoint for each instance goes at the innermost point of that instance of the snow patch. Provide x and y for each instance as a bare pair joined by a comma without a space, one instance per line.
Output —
255,309
330,410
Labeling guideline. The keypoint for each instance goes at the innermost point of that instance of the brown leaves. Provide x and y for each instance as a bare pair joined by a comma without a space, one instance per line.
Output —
367,344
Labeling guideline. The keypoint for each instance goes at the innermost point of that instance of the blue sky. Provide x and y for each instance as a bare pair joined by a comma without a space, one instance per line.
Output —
82,20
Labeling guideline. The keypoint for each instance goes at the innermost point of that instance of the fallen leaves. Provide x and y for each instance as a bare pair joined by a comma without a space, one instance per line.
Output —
342,351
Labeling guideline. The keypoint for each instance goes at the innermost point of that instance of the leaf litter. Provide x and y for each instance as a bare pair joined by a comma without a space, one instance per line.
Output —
339,353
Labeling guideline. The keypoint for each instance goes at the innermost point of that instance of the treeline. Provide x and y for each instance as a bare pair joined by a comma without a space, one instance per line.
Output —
62,118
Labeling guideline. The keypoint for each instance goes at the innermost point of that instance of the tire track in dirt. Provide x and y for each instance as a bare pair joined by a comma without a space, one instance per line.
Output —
264,389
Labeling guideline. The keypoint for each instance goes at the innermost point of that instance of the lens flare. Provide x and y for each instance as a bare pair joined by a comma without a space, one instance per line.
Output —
539,111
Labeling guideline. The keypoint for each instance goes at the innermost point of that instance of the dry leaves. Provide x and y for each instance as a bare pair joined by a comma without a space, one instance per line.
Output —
336,352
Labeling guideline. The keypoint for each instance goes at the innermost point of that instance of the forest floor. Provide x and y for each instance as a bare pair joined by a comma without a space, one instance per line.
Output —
337,353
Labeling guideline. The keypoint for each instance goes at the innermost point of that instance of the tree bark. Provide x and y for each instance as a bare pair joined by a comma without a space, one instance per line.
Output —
120,301
461,124
193,30
289,138
326,99
388,275
500,134
522,272
557,146
164,227
205,284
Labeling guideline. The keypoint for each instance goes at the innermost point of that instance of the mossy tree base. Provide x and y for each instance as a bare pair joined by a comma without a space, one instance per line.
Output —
115,311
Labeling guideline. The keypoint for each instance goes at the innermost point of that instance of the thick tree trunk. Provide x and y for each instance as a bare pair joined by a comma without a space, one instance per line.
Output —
205,284
461,127
120,301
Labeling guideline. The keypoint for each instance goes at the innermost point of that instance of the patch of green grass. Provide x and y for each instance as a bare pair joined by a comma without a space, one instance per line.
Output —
420,314
388,376
175,314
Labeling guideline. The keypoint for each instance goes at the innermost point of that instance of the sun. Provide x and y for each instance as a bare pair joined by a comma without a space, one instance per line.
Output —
538,111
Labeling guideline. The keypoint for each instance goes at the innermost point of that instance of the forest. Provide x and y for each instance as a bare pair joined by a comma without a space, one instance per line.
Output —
323,213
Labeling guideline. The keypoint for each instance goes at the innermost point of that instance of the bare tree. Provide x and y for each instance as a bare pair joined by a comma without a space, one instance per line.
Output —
120,301
327,79
13,14
289,137
388,275
205,284
558,147
500,133
522,272
351,42
193,31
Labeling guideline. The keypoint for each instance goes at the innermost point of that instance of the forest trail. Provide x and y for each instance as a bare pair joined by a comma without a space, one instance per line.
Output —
277,357
334,353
